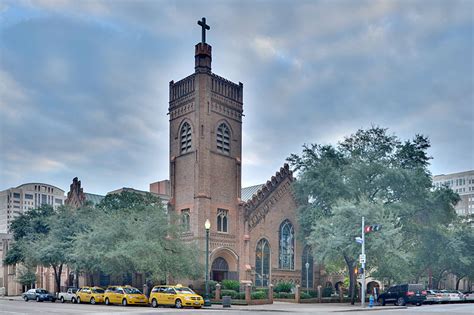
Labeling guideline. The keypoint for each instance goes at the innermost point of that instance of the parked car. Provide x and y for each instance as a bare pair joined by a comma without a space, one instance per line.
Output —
177,295
454,295
403,294
469,296
39,295
124,295
435,296
68,296
90,295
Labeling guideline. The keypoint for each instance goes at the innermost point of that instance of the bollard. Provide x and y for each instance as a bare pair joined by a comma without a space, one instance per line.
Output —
218,292
320,296
341,295
145,290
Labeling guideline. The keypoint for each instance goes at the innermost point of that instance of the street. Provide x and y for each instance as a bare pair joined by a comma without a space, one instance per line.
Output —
19,307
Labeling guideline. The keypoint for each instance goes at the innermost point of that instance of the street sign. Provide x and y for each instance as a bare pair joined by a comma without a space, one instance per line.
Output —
359,240
362,259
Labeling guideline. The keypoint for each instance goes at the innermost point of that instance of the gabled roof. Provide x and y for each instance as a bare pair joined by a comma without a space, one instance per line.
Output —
247,192
266,189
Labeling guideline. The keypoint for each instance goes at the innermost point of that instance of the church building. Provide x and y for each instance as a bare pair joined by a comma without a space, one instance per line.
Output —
253,233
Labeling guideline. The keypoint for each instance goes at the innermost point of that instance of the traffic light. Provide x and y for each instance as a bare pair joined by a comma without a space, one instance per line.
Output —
356,270
372,228
361,270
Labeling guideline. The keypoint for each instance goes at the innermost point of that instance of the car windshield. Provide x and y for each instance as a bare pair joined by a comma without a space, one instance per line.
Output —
132,291
184,291
97,290
42,291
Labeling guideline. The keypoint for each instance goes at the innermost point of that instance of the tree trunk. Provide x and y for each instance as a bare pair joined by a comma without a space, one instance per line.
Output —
58,270
459,280
352,277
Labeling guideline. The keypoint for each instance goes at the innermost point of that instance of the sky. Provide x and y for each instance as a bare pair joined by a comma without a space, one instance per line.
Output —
84,84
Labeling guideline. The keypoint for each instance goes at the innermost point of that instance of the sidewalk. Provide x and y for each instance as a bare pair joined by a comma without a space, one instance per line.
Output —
280,307
286,307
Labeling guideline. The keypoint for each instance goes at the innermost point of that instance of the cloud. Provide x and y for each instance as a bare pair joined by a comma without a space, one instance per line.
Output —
88,81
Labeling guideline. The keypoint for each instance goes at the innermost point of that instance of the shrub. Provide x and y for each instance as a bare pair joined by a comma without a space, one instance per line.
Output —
231,285
284,295
262,290
240,296
327,292
283,287
313,294
305,295
231,293
212,285
258,295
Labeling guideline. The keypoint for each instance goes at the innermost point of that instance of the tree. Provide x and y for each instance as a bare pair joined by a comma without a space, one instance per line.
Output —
135,234
369,173
43,237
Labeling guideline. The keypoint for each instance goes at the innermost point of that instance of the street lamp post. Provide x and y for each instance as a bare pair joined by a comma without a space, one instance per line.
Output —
307,276
207,225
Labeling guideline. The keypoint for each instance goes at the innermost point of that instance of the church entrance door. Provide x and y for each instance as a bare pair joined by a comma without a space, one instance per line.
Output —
219,269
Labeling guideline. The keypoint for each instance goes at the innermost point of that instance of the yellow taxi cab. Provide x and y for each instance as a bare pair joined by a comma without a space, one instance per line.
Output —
125,295
90,295
177,295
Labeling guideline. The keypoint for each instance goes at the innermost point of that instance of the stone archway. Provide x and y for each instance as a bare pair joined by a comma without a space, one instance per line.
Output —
224,265
371,285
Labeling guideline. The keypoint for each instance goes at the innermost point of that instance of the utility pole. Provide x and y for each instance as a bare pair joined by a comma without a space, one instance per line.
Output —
362,261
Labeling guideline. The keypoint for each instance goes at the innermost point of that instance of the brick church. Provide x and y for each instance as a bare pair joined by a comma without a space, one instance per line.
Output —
254,230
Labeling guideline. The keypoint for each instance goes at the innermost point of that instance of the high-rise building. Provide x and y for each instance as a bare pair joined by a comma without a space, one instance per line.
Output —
14,201
461,183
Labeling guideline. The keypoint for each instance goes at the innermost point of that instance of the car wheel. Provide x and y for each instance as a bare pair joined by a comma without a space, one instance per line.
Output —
78,300
25,298
73,300
154,303
62,299
382,301
124,302
418,304
178,303
197,307
401,301
92,301
38,299
53,300
107,302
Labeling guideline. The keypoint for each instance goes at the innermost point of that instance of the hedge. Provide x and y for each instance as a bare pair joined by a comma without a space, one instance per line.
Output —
231,285
283,287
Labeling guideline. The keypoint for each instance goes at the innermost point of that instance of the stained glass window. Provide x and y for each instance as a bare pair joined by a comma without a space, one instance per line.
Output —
287,246
262,263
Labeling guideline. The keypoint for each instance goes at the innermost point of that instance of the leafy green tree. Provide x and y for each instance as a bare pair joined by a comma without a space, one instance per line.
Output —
374,174
132,232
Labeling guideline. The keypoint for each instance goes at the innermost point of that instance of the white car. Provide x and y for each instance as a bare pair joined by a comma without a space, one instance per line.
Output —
469,296
70,295
454,296
435,296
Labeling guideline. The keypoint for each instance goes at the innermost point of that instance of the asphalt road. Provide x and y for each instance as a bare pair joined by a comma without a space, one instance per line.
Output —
19,307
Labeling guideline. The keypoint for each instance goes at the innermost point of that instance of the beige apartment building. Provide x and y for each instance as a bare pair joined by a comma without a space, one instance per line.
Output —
15,201
461,183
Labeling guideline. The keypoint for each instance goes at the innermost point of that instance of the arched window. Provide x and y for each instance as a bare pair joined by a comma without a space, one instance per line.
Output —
223,139
307,273
287,246
262,263
185,134
186,219
222,220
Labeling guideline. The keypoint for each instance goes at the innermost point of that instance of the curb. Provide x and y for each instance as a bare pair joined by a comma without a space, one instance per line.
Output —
367,309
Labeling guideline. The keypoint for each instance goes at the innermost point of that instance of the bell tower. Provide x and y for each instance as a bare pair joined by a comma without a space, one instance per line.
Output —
205,155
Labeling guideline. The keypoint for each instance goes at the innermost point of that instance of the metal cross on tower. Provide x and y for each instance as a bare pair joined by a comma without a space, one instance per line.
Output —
205,27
